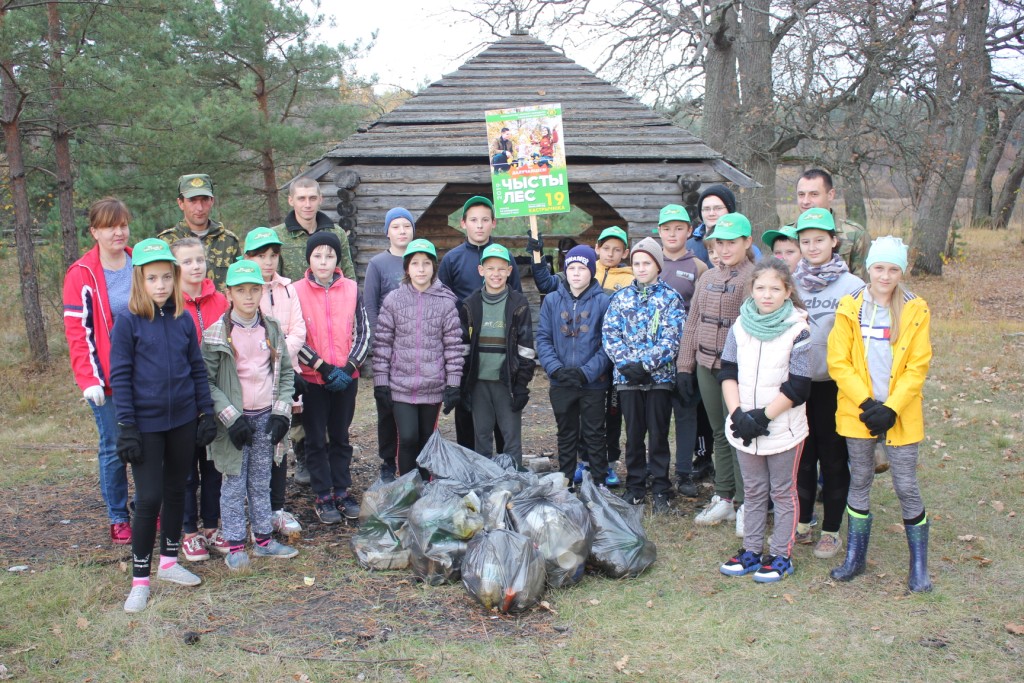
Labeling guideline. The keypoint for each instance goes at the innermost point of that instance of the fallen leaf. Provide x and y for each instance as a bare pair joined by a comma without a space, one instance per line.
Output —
969,537
982,561
650,604
751,640
122,566
620,665
937,643
896,529
1015,629
788,598
998,506
309,580
82,623
1011,514
4,674
116,657
56,630
876,628
544,604
594,602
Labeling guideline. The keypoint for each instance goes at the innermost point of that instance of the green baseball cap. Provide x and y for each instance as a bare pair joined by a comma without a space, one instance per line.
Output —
614,231
496,251
475,201
819,219
259,238
787,231
731,226
195,185
243,273
150,250
673,212
421,246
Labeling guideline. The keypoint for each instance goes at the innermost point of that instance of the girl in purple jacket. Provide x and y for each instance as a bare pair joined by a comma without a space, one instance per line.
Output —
417,353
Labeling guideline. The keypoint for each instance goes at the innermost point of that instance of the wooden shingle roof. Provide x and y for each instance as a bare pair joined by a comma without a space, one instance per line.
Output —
445,121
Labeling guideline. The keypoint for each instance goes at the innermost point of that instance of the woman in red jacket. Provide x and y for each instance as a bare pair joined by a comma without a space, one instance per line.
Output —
96,290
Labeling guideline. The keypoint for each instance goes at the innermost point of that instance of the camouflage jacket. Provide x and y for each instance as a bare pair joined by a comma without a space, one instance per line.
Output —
222,247
854,242
293,246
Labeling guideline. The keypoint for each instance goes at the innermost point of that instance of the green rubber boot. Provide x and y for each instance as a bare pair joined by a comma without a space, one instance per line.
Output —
858,533
917,541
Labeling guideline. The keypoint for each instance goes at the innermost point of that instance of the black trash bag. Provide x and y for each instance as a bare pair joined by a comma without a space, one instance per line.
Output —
621,548
502,570
506,462
377,543
448,460
560,526
440,523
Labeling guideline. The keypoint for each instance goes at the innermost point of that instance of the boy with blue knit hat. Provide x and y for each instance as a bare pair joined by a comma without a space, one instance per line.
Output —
569,349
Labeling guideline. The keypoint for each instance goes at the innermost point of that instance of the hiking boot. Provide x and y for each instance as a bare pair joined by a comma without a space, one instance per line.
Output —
717,511
581,467
661,506
703,468
237,561
634,500
387,474
215,541
741,564
274,549
194,548
301,474
739,522
686,486
179,575
613,478
137,600
347,505
828,546
773,568
121,534
284,523
326,512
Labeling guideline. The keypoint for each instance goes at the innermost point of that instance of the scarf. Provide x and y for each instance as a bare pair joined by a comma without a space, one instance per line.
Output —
816,278
765,327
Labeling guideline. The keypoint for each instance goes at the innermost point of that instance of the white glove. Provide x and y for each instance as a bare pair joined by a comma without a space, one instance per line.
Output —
95,394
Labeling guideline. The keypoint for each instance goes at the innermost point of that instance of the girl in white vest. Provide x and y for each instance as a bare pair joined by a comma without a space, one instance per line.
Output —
765,380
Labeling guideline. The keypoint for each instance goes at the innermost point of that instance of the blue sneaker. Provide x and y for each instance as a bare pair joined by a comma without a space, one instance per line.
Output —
237,561
581,467
773,568
742,563
612,479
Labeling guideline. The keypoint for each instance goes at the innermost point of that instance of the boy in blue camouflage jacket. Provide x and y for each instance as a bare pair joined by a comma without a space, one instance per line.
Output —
642,330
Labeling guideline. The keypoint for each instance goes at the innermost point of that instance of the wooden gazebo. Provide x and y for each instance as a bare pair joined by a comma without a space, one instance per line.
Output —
430,154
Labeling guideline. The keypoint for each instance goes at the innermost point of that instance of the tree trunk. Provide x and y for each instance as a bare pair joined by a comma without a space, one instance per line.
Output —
267,157
61,142
982,214
853,196
721,92
959,83
1008,194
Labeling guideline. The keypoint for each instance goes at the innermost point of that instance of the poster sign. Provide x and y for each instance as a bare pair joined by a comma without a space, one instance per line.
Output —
527,159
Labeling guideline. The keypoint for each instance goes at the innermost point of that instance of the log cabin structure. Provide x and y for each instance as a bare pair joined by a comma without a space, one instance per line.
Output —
430,154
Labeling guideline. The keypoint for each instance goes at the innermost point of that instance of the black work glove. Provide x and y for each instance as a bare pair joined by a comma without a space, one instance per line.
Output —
686,386
520,397
746,427
571,377
277,427
879,419
868,404
206,430
635,373
240,432
533,245
129,444
382,395
452,396
325,371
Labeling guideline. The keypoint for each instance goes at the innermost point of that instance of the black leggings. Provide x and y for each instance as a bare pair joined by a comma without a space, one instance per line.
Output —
160,480
824,447
205,477
414,424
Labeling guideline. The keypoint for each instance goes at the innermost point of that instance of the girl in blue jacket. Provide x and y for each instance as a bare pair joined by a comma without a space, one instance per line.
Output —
163,408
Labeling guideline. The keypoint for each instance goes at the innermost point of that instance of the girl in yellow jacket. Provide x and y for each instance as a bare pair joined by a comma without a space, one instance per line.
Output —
878,355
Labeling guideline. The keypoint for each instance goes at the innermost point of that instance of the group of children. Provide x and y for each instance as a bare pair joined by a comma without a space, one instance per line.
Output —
638,335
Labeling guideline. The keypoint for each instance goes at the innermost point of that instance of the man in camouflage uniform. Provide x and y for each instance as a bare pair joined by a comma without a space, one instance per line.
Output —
814,190
303,220
196,200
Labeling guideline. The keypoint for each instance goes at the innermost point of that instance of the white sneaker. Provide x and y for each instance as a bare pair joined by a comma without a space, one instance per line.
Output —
285,523
718,510
137,599
739,522
179,575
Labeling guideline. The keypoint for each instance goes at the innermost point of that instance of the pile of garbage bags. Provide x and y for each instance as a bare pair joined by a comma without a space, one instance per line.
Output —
506,534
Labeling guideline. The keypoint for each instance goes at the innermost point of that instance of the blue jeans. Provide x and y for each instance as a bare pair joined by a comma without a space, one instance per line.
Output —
113,477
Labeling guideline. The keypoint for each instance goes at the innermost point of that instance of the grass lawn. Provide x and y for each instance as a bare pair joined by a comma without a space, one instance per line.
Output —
62,617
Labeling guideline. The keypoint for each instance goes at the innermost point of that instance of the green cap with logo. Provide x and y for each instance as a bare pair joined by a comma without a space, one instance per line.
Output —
195,185
614,231
150,250
495,251
421,246
673,212
477,201
731,226
258,238
818,219
243,273
770,236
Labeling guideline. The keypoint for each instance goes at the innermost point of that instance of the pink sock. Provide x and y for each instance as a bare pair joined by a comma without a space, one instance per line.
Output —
142,581
168,562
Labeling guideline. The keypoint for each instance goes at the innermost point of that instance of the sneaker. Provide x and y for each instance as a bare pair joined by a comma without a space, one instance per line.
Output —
741,564
686,486
814,519
274,549
179,575
805,538
237,561
717,511
326,512
387,475
633,500
216,541
661,506
285,523
828,545
137,599
773,568
194,547
581,467
347,505
121,534
613,478
301,475
703,468
739,522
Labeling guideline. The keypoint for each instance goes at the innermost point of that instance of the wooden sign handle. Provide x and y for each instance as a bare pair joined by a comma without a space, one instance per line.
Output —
538,257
